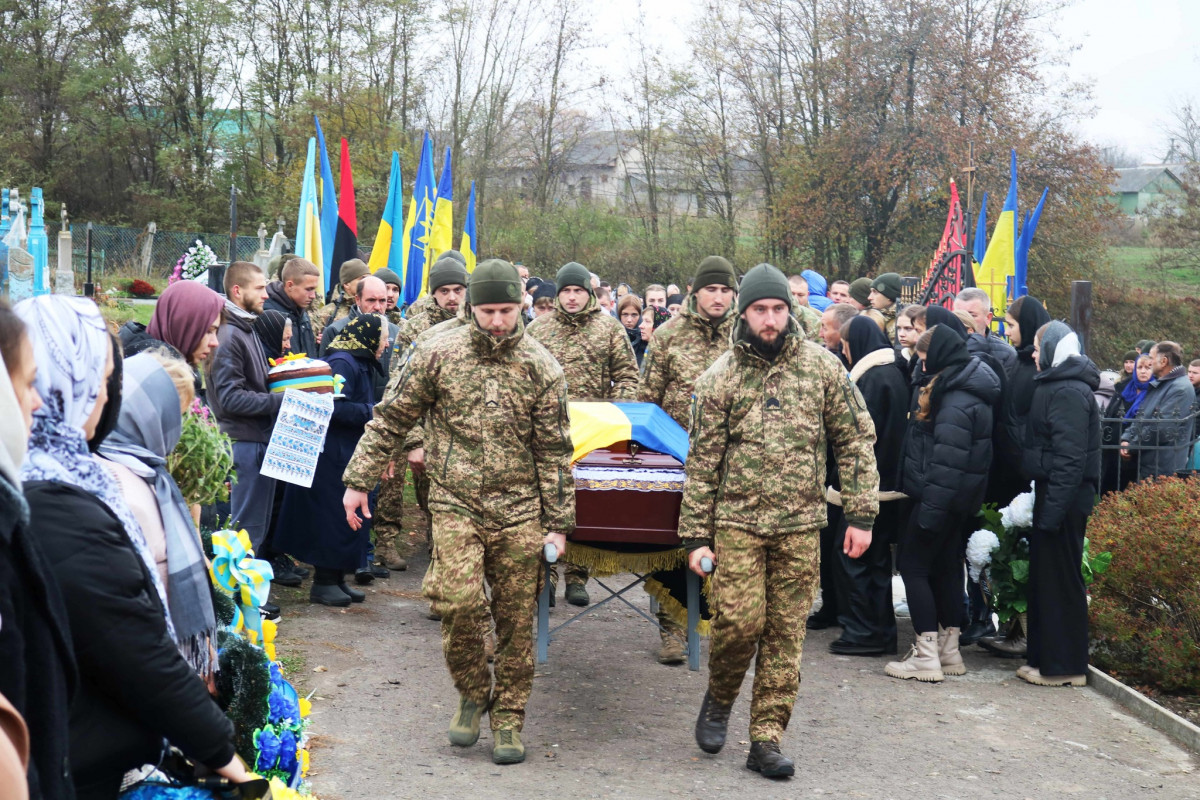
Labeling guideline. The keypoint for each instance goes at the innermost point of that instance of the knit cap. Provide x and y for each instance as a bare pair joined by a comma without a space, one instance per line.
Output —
860,290
888,285
714,270
388,276
352,269
763,282
447,272
573,274
494,281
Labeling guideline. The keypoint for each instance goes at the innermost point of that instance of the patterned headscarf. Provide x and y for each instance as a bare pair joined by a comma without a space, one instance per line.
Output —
149,428
269,328
360,338
71,347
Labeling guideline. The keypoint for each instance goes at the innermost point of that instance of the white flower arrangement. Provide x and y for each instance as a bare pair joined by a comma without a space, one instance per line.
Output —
195,263
1019,513
980,547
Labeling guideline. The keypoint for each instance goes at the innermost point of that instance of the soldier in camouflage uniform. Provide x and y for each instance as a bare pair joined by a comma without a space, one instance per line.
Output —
350,273
447,286
596,357
754,502
394,286
499,448
885,298
678,353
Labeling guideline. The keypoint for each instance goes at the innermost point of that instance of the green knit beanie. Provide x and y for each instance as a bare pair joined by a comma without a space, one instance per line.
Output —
456,255
494,281
389,277
447,272
573,274
888,285
714,269
860,290
354,268
763,282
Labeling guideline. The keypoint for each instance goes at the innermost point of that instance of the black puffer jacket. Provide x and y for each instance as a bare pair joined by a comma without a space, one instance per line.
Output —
946,457
1019,388
304,340
1062,441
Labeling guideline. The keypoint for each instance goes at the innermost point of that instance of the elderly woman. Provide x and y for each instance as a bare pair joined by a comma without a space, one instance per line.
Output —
155,390
135,689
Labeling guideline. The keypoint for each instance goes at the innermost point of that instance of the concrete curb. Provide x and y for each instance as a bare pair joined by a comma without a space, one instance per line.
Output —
1146,709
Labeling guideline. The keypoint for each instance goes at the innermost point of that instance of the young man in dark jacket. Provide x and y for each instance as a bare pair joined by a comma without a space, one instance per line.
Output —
291,296
238,396
1062,454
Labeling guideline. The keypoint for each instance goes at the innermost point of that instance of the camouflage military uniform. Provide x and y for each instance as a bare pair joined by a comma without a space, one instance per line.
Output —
889,321
332,312
678,353
389,514
810,322
596,357
756,490
498,451
395,317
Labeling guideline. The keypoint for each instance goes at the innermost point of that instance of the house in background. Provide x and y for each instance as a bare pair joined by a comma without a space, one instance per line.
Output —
1136,189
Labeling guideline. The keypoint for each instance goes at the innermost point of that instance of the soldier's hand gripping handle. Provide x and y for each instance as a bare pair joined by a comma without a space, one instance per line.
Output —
553,545
355,502
697,559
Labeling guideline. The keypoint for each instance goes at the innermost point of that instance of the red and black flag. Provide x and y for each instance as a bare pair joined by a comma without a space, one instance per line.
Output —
345,242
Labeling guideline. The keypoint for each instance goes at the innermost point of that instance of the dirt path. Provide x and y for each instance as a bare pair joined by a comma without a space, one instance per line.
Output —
607,721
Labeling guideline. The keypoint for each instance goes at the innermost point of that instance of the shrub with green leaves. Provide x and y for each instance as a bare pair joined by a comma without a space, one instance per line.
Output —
202,462
1145,610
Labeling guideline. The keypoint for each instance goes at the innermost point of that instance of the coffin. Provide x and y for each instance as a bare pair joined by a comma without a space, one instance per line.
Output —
627,498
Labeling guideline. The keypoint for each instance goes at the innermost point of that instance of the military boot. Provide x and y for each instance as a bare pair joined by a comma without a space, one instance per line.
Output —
922,661
948,653
672,649
766,759
464,728
507,747
387,555
712,724
577,595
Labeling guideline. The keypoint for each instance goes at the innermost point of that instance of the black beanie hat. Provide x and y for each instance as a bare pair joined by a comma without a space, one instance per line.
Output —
573,274
761,283
714,269
675,300
544,290
888,285
447,272
388,276
860,290
494,281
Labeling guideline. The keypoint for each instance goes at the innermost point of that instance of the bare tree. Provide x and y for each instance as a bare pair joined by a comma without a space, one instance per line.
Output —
1183,133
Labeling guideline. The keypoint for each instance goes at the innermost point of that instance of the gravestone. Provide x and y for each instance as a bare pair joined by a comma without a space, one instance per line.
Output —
5,223
38,245
64,276
262,256
20,274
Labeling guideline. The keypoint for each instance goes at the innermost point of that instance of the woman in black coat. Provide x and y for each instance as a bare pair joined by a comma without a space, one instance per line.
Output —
135,688
312,524
947,453
866,613
37,667
1062,454
1022,320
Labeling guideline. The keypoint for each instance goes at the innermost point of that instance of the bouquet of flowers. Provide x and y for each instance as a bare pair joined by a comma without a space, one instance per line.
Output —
194,263
203,458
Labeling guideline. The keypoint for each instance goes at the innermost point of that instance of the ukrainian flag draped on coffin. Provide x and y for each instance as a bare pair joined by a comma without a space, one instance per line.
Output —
596,425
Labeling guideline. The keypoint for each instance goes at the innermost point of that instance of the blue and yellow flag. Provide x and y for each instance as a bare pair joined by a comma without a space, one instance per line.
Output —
418,225
441,236
1024,239
998,271
308,223
388,249
980,243
329,207
596,424
467,243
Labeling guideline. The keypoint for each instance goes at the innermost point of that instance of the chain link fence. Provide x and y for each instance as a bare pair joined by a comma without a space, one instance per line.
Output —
135,252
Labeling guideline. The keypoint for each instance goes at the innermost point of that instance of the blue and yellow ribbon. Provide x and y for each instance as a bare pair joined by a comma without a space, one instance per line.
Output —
246,579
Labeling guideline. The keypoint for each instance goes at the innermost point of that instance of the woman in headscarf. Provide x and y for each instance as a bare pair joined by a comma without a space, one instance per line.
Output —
37,666
155,390
136,689
1119,471
947,454
868,620
185,319
273,330
629,312
1062,455
652,319
312,523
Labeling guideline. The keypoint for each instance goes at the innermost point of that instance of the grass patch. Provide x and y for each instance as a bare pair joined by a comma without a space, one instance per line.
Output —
117,312
293,663
1139,265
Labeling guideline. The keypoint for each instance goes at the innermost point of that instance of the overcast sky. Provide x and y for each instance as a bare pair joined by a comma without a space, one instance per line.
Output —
1141,58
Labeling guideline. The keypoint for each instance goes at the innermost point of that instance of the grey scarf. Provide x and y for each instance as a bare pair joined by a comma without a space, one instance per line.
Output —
147,431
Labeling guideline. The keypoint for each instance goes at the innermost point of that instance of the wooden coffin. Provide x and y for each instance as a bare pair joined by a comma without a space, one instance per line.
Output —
627,498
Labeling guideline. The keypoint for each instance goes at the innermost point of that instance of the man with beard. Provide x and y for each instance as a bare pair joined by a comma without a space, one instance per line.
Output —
394,286
754,502
596,358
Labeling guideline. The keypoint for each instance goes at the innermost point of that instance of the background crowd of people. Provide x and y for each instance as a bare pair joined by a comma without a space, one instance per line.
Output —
108,635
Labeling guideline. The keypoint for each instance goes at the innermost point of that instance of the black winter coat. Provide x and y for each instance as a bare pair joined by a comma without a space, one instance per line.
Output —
37,666
1062,442
135,688
947,457
885,391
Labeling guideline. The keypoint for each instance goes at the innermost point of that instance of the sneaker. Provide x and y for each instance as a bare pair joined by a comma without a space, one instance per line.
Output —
269,611
577,595
464,728
766,760
507,747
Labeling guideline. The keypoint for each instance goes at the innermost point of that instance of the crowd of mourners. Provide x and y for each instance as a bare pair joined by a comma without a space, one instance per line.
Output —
107,628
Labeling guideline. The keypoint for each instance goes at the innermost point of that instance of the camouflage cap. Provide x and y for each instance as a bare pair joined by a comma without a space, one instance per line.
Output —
494,281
